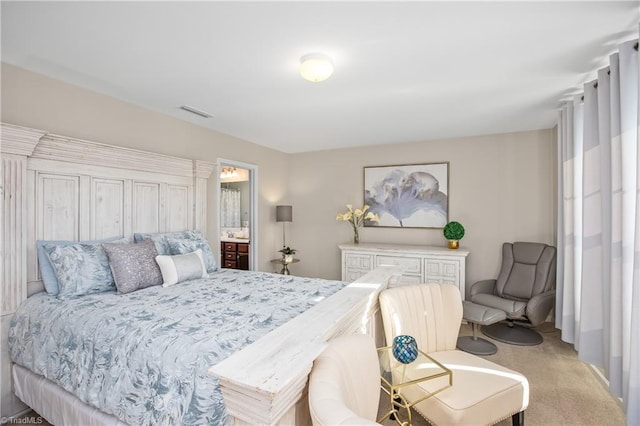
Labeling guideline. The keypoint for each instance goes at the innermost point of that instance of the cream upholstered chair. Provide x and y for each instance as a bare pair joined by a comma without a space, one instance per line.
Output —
482,392
344,385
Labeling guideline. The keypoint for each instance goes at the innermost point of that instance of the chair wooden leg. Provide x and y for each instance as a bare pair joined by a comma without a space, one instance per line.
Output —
518,419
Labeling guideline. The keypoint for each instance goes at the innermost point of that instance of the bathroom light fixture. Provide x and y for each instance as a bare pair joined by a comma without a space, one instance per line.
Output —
316,67
228,172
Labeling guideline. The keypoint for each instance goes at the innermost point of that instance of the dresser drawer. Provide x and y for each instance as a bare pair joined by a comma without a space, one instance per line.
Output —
230,264
440,280
243,248
352,275
410,280
359,261
410,265
230,255
229,246
449,270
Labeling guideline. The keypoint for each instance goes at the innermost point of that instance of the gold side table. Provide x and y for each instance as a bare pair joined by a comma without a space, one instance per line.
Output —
409,384
285,265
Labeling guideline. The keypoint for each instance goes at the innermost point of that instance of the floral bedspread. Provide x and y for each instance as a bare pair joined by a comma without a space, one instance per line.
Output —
144,356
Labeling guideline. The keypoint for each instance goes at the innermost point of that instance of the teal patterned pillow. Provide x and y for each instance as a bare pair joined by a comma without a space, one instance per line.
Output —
184,246
80,268
47,273
160,239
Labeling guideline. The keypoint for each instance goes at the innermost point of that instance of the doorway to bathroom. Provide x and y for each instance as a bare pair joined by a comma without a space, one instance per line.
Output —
237,214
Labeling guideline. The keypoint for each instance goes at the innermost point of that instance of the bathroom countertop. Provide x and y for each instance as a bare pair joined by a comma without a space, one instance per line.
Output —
234,240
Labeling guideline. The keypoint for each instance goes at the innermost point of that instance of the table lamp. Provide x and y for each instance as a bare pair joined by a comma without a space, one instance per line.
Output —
284,214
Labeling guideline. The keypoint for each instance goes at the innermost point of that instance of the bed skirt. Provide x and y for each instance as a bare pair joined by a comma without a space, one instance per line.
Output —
55,404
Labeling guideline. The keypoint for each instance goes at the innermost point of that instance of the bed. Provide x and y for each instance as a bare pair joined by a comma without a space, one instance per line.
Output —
143,356
57,187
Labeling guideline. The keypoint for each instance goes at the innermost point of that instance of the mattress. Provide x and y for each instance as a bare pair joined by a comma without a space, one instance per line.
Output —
143,356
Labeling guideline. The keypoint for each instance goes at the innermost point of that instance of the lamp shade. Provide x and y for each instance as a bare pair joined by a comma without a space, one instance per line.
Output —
284,214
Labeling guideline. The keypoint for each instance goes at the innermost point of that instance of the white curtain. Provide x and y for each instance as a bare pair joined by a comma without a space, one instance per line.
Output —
598,285
230,208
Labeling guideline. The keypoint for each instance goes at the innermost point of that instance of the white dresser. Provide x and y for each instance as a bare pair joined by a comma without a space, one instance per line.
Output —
422,264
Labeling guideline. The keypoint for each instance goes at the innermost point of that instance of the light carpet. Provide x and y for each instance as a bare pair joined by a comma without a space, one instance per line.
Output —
564,390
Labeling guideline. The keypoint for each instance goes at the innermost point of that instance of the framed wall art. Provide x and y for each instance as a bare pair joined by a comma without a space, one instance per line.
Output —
408,195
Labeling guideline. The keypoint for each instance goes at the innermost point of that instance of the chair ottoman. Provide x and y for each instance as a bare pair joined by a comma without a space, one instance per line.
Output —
479,315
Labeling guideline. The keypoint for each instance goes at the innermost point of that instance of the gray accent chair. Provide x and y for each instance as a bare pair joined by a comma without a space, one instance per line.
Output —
524,290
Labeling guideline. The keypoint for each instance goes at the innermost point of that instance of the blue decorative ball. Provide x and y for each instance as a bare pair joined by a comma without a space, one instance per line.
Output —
405,349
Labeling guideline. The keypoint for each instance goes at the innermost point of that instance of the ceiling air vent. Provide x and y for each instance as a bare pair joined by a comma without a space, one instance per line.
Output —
195,111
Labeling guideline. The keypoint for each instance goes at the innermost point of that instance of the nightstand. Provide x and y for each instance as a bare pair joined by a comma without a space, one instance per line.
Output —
285,265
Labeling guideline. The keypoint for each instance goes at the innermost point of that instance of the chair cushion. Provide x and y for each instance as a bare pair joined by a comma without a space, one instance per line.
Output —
527,269
431,313
513,308
520,284
482,393
481,315
528,253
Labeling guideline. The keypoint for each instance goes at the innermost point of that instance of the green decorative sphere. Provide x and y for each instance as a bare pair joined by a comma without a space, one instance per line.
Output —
453,231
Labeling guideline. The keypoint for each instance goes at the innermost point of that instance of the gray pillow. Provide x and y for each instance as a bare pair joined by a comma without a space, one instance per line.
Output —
133,265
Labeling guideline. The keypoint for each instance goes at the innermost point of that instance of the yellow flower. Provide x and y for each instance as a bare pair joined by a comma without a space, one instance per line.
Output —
373,217
357,217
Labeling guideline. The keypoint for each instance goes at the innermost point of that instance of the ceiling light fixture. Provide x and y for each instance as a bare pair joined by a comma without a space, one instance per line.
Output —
316,67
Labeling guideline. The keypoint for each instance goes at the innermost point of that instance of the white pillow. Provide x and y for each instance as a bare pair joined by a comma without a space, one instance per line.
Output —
181,267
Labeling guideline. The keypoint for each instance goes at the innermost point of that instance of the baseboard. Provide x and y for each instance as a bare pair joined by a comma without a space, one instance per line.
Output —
603,381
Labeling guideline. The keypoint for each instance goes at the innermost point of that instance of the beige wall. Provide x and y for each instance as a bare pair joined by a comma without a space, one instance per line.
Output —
33,100
501,188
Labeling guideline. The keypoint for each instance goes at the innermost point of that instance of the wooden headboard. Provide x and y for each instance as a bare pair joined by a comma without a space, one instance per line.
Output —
59,188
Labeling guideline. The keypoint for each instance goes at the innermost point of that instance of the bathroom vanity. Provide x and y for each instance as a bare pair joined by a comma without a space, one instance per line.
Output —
234,253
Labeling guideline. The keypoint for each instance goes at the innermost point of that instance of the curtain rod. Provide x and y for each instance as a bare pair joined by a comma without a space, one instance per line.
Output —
595,85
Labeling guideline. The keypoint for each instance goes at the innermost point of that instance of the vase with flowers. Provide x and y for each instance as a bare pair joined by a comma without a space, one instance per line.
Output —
357,218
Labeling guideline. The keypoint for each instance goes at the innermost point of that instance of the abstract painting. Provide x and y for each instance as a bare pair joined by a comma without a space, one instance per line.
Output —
409,195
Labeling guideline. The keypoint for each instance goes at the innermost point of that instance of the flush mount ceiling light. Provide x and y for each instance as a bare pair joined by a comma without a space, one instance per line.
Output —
316,67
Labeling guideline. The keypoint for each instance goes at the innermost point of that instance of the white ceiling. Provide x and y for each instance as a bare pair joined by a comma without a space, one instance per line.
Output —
404,71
